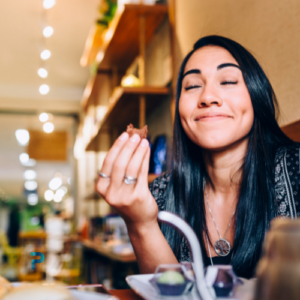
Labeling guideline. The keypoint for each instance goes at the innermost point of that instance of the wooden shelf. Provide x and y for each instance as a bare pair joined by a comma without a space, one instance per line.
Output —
88,93
32,235
121,40
124,107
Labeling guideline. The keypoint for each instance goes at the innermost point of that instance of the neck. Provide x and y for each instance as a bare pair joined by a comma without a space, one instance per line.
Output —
223,168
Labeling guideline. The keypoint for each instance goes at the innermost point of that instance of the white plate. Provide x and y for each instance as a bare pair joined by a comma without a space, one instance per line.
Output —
82,295
141,286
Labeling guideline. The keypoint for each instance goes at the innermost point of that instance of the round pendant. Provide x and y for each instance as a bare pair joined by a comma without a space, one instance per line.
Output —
222,247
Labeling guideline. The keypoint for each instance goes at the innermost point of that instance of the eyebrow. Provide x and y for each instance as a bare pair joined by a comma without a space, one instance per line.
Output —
227,65
198,71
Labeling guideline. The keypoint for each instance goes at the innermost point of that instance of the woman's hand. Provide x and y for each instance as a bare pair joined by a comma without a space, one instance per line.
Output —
134,202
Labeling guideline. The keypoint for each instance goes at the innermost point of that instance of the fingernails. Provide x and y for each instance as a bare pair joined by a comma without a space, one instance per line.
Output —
135,138
144,143
124,136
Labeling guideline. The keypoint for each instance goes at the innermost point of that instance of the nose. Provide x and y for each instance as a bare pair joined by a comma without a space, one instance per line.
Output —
209,97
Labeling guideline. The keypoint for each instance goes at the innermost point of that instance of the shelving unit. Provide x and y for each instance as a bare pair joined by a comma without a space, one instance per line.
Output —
123,34
122,38
123,104
126,37
36,240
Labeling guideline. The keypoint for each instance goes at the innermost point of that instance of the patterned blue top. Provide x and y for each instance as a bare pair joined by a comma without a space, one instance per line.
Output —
287,190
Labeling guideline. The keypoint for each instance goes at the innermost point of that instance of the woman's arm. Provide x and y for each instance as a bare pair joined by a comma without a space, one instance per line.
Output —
150,247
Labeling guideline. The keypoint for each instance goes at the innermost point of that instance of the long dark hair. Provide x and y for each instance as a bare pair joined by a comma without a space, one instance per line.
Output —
256,205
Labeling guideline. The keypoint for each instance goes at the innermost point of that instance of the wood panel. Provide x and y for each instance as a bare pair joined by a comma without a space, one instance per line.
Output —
48,146
121,41
89,93
292,131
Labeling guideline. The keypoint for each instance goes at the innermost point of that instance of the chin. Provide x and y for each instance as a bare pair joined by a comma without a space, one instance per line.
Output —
219,143
222,144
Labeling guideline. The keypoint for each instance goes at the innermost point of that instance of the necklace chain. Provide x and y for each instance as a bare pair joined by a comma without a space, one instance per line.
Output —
206,197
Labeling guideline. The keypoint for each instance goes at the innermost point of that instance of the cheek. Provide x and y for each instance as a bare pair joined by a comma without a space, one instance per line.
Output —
185,109
244,111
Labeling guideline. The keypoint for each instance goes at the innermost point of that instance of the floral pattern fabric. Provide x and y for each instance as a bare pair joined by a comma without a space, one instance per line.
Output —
287,189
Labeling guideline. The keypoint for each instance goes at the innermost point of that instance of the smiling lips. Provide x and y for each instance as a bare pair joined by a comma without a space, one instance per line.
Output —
212,116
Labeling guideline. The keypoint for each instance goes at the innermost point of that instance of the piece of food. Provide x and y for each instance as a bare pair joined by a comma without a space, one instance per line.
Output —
171,277
141,132
39,291
5,286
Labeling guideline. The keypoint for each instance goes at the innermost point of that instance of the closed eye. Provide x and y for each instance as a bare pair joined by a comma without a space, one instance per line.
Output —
228,82
192,87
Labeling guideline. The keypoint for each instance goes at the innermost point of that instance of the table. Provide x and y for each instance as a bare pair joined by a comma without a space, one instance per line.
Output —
125,294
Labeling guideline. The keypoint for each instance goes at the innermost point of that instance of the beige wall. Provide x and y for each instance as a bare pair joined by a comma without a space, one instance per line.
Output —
268,28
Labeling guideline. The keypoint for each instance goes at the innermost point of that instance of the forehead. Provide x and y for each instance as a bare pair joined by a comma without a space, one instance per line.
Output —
209,57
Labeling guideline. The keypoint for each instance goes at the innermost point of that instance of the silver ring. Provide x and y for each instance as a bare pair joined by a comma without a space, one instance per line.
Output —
103,175
130,180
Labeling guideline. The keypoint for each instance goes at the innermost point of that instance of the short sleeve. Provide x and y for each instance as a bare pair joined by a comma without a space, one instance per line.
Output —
158,189
287,181
293,171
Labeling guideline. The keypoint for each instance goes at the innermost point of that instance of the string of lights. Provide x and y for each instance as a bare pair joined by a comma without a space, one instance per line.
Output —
44,88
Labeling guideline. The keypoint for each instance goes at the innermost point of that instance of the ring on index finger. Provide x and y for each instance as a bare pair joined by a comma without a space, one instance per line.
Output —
130,180
103,175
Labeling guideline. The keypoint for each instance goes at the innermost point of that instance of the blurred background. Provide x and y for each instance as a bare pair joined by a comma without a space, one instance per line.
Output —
73,75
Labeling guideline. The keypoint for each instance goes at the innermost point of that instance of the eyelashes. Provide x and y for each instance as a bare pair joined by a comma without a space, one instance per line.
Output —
228,82
192,87
198,86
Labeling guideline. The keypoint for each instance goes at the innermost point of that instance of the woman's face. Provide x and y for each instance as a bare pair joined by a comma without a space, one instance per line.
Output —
214,106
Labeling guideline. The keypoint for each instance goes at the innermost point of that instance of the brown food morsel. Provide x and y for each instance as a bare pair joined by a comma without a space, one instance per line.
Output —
141,132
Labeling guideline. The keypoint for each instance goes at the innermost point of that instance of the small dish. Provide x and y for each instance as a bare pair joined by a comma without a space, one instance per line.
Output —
221,280
172,280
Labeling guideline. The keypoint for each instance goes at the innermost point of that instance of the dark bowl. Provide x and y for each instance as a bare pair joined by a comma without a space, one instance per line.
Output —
171,289
223,290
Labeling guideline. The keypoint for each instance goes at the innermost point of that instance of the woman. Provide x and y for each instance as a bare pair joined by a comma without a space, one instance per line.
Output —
232,165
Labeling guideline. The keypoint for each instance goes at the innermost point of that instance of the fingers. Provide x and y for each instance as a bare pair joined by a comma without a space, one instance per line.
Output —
145,167
113,153
139,164
108,162
122,161
143,175
137,159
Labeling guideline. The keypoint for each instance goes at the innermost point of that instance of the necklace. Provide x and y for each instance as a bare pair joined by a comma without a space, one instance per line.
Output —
222,246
